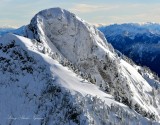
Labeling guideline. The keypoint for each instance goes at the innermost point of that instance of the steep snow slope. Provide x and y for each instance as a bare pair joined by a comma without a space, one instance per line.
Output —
140,42
86,49
36,89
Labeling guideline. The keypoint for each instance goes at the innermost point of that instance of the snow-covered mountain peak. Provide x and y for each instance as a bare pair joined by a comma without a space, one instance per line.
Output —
84,47
62,53
73,37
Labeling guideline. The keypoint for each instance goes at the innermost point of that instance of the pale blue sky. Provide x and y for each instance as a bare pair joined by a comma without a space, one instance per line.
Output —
20,12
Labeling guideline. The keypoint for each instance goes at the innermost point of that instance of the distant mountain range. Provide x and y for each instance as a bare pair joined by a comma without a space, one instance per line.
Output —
140,42
4,30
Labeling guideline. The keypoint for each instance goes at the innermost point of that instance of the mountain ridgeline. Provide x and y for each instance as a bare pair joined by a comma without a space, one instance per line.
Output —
4,30
63,71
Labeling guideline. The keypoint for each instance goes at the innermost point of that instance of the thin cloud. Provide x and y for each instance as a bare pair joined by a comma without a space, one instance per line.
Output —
20,12
85,8
118,13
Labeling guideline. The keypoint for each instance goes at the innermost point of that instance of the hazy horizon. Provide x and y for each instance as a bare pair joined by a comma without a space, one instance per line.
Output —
19,12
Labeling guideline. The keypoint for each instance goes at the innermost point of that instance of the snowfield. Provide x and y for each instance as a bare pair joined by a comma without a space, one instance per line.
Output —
60,71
